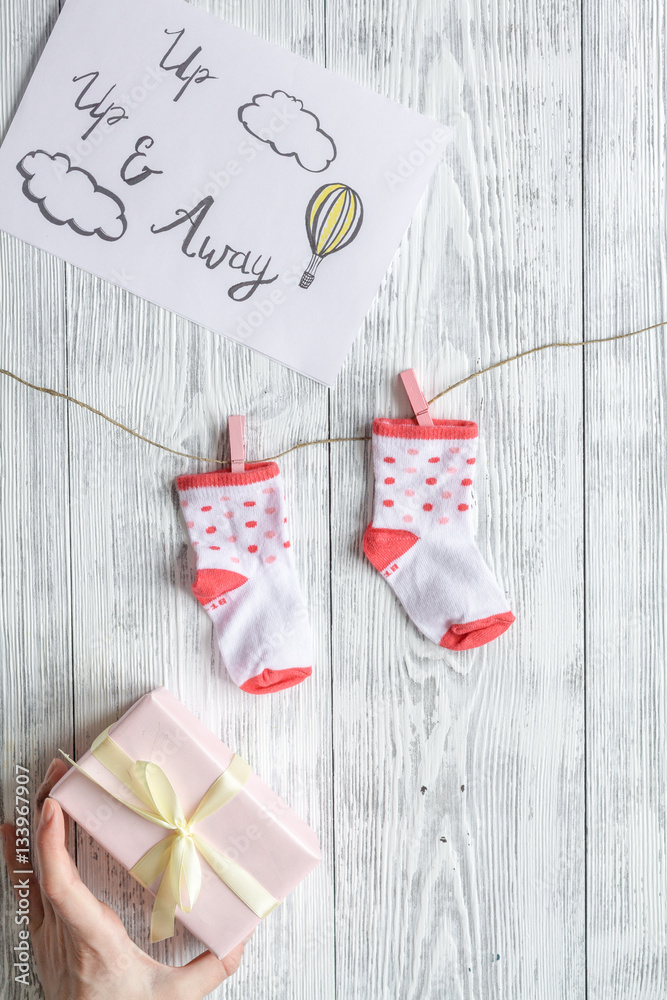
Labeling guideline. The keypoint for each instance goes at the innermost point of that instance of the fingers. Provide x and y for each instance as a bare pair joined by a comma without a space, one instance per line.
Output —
205,973
59,879
56,770
25,885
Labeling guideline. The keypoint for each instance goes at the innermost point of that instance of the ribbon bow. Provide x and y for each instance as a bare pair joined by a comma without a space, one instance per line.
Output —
177,856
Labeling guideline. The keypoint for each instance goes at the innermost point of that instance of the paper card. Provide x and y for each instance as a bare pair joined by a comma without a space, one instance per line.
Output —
214,174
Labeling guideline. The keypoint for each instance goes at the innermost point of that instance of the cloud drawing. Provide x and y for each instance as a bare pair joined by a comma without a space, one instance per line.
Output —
289,129
69,196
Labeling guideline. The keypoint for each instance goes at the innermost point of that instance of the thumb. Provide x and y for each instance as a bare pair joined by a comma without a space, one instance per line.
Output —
206,972
59,879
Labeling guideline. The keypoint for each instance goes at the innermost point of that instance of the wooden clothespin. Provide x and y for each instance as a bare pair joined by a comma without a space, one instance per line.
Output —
417,398
236,427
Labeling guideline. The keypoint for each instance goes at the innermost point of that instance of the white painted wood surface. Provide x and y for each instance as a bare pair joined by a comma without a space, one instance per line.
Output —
492,823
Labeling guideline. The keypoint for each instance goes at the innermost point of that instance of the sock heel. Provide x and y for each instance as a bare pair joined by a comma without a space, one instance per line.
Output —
212,583
383,546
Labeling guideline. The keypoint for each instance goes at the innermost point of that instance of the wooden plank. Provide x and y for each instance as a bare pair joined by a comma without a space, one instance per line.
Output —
136,624
626,488
35,660
459,778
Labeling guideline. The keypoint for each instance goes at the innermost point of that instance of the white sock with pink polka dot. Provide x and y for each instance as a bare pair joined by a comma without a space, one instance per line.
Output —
421,538
245,575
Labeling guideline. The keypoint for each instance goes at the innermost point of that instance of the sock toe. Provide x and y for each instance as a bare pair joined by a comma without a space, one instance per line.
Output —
469,635
276,680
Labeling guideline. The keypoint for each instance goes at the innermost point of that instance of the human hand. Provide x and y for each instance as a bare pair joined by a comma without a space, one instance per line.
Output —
82,951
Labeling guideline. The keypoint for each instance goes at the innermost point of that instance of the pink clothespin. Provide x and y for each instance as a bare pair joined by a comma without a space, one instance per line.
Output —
236,426
417,398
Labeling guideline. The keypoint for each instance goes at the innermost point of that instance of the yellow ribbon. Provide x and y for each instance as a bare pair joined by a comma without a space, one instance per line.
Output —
176,857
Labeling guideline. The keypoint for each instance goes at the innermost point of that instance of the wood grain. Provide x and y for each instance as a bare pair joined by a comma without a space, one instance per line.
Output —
463,799
626,489
35,606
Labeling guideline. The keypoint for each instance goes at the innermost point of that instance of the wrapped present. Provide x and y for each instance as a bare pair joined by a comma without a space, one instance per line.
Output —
190,820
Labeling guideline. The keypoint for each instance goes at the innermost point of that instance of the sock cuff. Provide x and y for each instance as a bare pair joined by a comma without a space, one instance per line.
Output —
447,430
258,473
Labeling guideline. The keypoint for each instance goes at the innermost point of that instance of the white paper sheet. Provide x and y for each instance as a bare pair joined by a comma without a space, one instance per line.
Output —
214,174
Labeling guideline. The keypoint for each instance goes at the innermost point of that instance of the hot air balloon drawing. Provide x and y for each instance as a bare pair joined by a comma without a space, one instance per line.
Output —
333,218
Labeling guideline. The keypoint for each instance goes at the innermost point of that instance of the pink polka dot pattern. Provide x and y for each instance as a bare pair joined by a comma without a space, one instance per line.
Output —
410,494
258,534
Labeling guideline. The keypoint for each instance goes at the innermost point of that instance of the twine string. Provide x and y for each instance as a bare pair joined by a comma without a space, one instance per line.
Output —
335,440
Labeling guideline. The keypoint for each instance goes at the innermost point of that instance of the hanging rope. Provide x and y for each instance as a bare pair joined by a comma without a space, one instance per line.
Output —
336,440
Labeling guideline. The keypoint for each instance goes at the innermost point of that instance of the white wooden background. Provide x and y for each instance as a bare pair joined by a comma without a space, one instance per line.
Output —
493,823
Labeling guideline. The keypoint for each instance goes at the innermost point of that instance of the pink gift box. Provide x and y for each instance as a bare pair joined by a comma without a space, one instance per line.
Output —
256,828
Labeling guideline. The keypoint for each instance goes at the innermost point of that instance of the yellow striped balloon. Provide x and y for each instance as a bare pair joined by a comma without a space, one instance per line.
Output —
333,218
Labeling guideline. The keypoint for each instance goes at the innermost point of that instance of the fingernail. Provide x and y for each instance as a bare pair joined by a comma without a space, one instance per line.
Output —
49,770
47,812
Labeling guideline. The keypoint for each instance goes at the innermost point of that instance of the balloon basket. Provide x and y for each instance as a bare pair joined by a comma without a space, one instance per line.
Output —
309,273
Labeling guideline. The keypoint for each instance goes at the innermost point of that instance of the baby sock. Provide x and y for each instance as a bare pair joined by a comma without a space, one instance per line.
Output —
245,575
421,538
